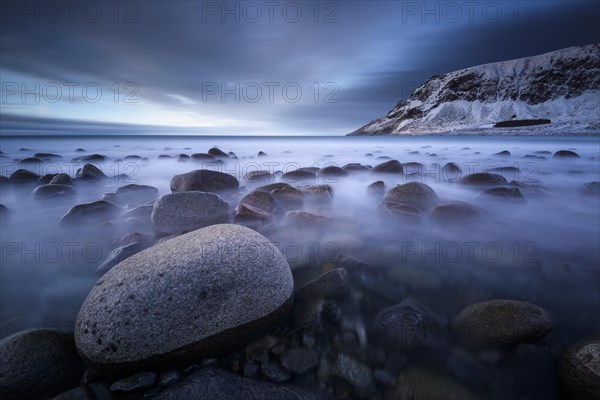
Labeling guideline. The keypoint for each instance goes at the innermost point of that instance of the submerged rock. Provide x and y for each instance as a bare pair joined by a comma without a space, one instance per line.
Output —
132,318
90,173
455,211
416,194
61,179
37,364
565,154
506,193
90,213
502,323
52,191
388,167
23,176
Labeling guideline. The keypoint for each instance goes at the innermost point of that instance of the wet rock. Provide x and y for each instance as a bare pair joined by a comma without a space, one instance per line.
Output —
61,179
136,194
91,158
376,188
455,211
502,323
299,360
388,167
141,380
507,193
591,188
164,157
259,199
355,167
409,325
289,197
23,176
504,153
143,213
119,254
416,194
423,383
183,157
331,284
483,178
45,179
90,213
331,173
37,364
299,175
305,219
261,154
90,173
247,213
187,211
215,152
317,193
565,154
132,318
45,192
205,181
272,186
48,155
273,372
401,211
355,374
168,378
258,176
132,157
203,157
213,383
579,370
31,160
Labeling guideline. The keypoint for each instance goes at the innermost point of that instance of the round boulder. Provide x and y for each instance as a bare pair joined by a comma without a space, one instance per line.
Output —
204,180
38,364
483,178
388,167
502,323
187,211
565,154
202,294
416,194
579,370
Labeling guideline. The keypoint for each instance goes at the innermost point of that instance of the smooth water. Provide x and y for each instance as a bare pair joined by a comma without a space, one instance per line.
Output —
517,251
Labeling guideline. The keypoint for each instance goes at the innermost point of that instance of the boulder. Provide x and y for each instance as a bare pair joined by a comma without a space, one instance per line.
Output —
565,154
136,194
215,152
61,179
388,167
186,211
259,199
416,194
23,176
202,294
455,211
505,193
90,173
90,213
579,370
299,360
502,323
204,180
483,179
49,191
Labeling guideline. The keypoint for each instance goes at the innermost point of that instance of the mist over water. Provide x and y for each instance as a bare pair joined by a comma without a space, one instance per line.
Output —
516,250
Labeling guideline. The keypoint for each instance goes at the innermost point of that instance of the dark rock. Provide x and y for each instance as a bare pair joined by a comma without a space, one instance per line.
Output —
483,178
141,380
168,378
90,213
143,213
317,193
579,370
213,383
355,167
299,360
331,284
132,157
23,176
592,188
513,194
91,158
502,323
117,255
258,176
261,154
78,393
455,211
203,157
251,369
4,212
61,179
45,192
215,152
205,181
332,172
305,219
384,378
37,364
187,211
132,318
289,197
272,186
404,212
416,194
259,199
355,374
90,173
273,372
388,167
100,390
164,157
45,179
183,157
504,153
409,325
299,175
136,194
376,188
565,154
247,213
31,160
47,155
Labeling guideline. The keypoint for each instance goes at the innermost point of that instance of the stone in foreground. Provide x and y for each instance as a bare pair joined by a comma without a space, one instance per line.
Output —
202,294
579,369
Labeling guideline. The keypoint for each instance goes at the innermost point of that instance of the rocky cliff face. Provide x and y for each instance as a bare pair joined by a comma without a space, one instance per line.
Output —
562,86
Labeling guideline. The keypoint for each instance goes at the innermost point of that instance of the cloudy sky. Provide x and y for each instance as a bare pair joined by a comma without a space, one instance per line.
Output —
256,68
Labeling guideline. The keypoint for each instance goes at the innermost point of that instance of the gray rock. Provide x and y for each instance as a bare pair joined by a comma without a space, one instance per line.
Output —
91,158
331,284
37,364
503,153
331,173
90,173
45,179
317,193
399,211
483,179
376,188
168,378
305,219
141,380
245,213
416,194
136,194
90,213
506,193
203,157
143,213
198,295
187,211
273,372
259,199
502,323
409,325
288,196
455,211
47,155
388,167
579,370
299,175
451,171
119,254
251,369
215,152
384,378
299,360
272,186
204,180
565,154
217,384
52,191
61,179
354,373
23,176
258,176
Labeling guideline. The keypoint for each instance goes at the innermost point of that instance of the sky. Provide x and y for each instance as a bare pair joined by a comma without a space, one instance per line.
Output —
252,67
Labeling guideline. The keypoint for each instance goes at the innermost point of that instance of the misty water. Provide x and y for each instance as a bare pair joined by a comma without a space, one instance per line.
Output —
544,250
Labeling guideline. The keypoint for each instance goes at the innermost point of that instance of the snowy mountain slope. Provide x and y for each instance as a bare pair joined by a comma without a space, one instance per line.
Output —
562,86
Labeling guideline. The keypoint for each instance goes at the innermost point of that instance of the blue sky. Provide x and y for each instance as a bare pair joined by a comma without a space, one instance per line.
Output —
256,68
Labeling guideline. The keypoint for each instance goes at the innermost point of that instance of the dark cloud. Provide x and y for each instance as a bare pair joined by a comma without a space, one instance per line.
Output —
376,52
